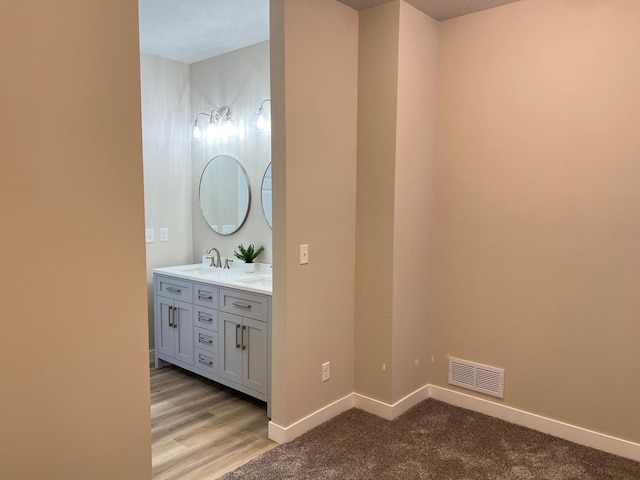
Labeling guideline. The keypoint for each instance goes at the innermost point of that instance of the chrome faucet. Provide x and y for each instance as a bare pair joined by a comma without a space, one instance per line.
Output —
215,261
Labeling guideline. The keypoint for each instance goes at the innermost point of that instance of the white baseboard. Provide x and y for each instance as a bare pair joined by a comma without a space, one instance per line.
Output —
387,411
579,435
281,434
572,433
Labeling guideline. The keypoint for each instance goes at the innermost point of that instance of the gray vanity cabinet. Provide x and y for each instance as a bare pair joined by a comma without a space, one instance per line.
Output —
220,333
244,351
244,339
174,337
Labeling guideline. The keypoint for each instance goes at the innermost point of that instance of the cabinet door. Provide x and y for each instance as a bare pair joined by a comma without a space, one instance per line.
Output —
165,334
230,348
255,369
183,319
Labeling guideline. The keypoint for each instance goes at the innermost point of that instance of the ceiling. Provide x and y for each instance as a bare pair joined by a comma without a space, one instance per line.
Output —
192,30
438,9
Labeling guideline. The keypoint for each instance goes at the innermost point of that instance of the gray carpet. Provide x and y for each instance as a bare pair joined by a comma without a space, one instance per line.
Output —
433,441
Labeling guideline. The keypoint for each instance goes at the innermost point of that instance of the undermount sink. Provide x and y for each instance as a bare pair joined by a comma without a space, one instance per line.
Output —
201,270
259,280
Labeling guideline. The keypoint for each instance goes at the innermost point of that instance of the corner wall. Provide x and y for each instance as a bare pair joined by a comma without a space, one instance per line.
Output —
377,112
398,48
314,87
413,198
536,224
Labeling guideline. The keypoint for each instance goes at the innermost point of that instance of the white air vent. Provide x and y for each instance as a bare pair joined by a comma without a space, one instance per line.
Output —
477,377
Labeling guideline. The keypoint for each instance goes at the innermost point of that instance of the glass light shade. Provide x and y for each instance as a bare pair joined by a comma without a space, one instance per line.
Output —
262,122
228,129
212,132
197,134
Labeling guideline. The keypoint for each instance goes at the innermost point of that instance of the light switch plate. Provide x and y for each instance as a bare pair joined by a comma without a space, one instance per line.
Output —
164,234
304,254
149,235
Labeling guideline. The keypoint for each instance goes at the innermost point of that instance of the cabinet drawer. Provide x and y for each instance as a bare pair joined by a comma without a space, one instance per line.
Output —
205,295
205,318
206,340
174,288
244,304
206,361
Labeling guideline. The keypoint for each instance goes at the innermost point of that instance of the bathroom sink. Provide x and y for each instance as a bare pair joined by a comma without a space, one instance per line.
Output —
257,280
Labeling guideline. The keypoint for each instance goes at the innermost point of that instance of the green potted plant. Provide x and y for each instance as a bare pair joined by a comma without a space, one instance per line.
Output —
248,255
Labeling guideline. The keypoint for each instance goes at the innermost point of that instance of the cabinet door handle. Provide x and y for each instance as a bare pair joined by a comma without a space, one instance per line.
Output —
241,305
205,319
174,289
205,362
204,339
244,345
237,330
204,297
175,317
171,317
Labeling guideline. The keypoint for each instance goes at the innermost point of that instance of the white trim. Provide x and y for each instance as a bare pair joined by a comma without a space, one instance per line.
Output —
152,356
574,434
387,411
579,435
281,434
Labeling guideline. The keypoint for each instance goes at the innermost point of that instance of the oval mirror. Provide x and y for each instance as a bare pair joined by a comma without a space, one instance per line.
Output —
266,195
225,194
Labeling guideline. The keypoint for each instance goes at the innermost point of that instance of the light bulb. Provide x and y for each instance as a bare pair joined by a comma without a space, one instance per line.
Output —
227,129
262,122
212,132
197,134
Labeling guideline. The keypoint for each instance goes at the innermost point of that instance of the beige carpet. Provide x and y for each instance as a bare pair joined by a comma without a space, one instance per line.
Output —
433,441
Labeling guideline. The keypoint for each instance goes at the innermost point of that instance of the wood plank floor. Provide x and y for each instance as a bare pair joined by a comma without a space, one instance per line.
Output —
199,429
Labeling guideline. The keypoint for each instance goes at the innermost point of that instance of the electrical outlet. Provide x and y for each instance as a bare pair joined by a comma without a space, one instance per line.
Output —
164,234
149,235
326,371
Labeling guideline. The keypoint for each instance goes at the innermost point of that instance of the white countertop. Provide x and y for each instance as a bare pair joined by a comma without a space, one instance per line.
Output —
259,282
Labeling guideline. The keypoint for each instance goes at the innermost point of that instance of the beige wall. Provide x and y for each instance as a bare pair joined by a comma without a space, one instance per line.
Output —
377,110
536,257
398,48
75,401
314,87
414,187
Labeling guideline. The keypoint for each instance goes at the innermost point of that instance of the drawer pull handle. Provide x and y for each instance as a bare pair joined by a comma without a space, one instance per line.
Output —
205,340
205,319
174,289
241,305
204,297
205,362
237,330
244,329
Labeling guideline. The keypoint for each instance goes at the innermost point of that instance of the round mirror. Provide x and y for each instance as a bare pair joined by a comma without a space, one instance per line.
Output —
225,194
266,195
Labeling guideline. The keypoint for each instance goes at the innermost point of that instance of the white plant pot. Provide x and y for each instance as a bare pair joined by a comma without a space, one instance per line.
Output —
249,267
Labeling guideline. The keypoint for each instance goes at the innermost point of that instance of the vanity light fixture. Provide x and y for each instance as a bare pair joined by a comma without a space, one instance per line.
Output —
263,123
219,126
